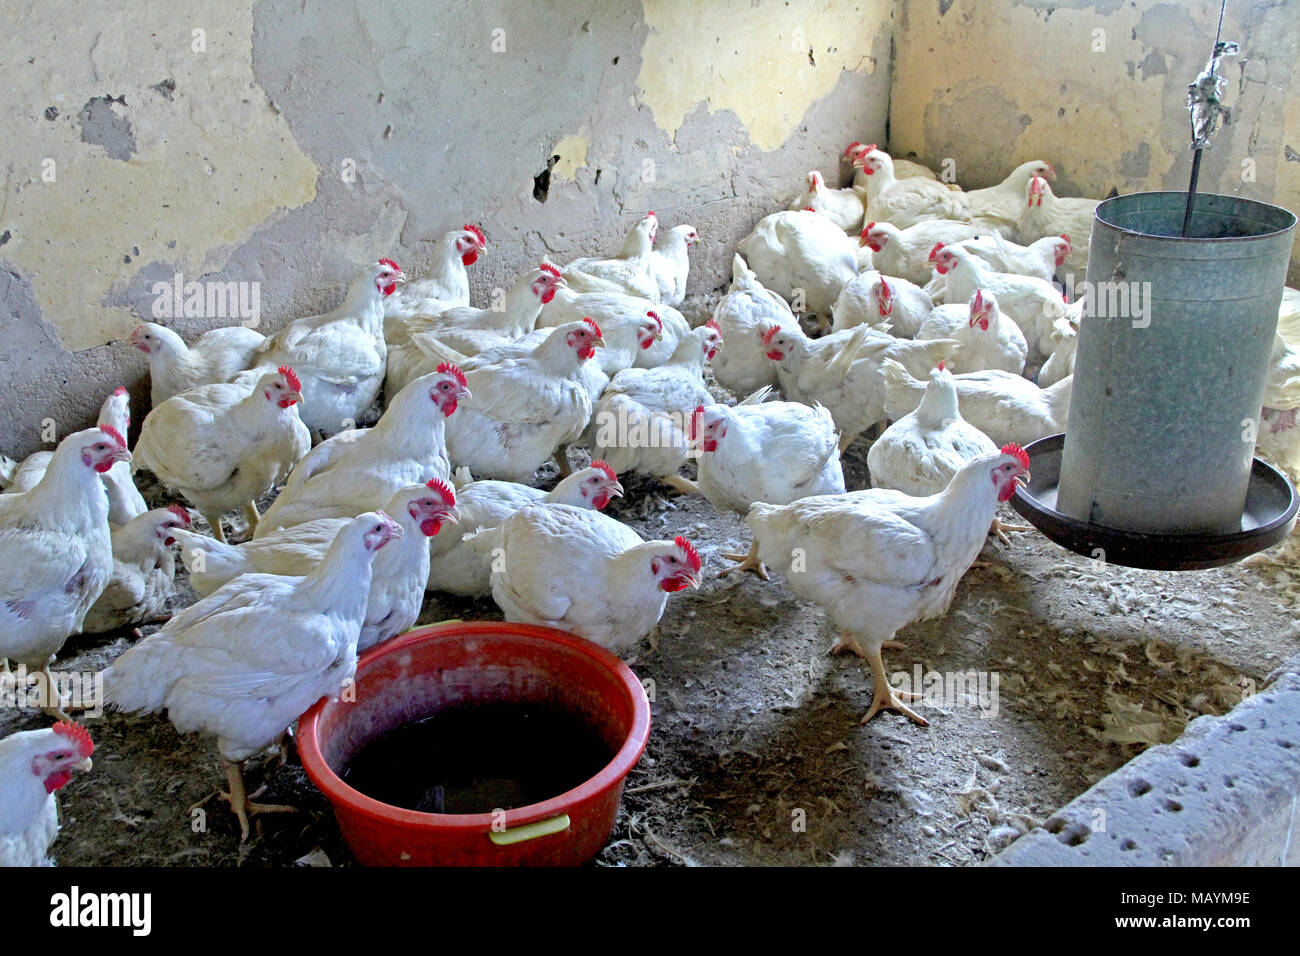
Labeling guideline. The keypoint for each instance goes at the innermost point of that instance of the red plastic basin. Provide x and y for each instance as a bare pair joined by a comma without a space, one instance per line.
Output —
415,675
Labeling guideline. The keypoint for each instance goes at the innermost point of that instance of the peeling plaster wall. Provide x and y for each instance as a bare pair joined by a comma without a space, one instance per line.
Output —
235,163
1099,87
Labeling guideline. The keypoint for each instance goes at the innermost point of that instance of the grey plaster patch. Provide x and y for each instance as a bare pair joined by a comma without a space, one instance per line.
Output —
102,125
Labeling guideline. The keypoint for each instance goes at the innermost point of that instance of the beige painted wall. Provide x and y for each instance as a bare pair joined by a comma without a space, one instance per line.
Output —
1098,88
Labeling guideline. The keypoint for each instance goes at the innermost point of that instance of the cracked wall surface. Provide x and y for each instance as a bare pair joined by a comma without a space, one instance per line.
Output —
1099,87
307,139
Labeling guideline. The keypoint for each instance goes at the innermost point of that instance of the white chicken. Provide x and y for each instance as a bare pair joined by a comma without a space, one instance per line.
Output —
581,572
362,469
470,331
870,298
340,355
456,567
224,446
640,422
34,766
611,310
906,252
445,287
1043,213
802,256
670,263
998,207
877,560
764,451
843,370
922,451
401,570
124,500
56,553
525,407
1002,405
741,365
905,202
1040,258
144,568
988,339
1032,303
903,168
1065,342
1278,437
246,661
844,207
631,271
174,367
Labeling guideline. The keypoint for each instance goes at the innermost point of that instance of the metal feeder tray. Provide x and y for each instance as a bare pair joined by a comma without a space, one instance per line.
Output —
1270,515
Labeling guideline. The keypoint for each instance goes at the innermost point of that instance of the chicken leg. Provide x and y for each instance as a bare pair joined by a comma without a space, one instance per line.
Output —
214,521
681,485
239,801
748,562
253,516
53,706
883,696
562,461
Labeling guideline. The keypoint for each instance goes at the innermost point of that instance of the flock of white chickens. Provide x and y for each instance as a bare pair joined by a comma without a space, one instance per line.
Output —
932,303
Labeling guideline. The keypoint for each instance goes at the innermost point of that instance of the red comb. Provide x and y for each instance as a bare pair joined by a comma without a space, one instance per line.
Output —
935,251
391,263
547,267
651,215
770,333
849,148
692,555
1011,448
444,489
294,382
656,318
120,390
1065,236
446,368
594,327
478,233
870,226
604,466
695,421
941,366
76,733
807,209
870,147
114,434
713,324
180,512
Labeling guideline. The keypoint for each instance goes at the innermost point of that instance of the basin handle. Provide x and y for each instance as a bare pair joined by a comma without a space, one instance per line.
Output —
530,831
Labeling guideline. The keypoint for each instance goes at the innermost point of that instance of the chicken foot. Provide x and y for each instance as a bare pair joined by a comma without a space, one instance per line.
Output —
883,695
239,800
748,562
54,707
1000,529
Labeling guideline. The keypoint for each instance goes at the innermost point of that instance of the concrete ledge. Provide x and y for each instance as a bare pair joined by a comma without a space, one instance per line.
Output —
1225,793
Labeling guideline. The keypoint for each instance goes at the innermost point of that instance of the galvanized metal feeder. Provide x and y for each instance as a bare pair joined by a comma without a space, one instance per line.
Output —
1156,468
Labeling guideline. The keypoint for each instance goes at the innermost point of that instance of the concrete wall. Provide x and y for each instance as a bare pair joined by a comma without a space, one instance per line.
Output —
1099,88
136,148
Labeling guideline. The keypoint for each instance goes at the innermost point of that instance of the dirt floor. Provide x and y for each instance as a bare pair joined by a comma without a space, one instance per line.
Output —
756,754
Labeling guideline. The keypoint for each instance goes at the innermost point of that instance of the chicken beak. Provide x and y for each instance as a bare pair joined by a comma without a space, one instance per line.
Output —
693,579
616,489
463,394
400,277
395,533
121,454
598,343
83,765
451,516
293,397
